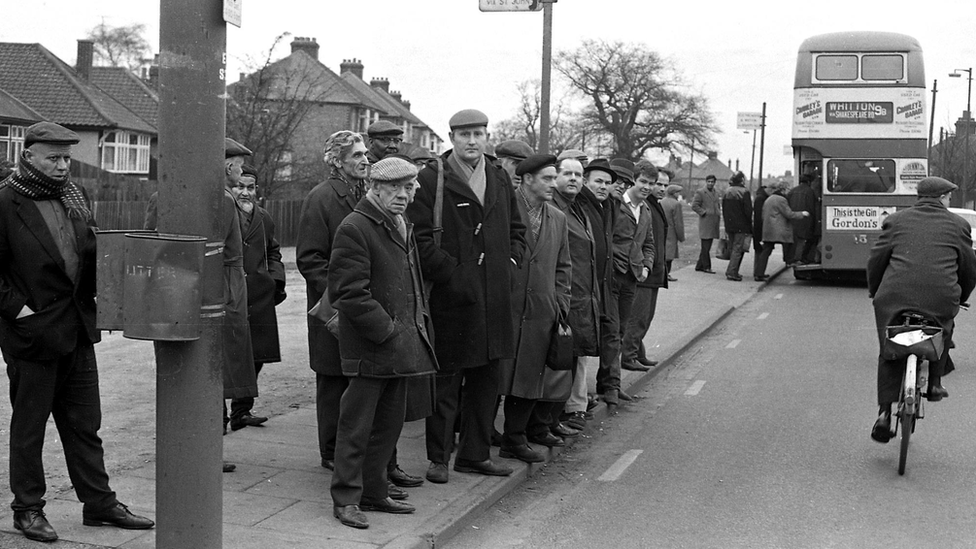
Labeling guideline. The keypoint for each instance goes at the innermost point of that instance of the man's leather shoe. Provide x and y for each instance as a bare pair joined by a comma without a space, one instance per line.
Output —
936,393
547,439
734,278
395,492
566,429
881,431
672,279
611,397
229,467
624,396
118,516
521,452
437,473
350,515
400,478
486,467
328,464
648,362
709,271
574,420
34,525
634,366
246,420
761,278
387,505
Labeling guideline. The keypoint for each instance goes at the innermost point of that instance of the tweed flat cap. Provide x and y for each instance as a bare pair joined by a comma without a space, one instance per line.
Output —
624,169
248,169
421,153
233,148
573,153
603,165
935,186
673,189
514,148
393,170
383,128
49,132
468,118
534,163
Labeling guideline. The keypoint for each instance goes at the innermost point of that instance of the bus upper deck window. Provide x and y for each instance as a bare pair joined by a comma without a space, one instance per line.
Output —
837,67
882,67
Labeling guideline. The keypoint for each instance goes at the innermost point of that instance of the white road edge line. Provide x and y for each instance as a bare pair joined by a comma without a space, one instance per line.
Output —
621,465
762,316
733,344
695,388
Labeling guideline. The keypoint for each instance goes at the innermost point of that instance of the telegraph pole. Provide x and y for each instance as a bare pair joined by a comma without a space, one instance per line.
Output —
546,75
762,142
928,155
189,379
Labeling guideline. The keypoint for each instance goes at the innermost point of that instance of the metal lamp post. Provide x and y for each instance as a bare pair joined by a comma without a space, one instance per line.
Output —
966,117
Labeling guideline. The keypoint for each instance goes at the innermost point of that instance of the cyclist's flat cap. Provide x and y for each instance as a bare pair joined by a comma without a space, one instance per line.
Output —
935,186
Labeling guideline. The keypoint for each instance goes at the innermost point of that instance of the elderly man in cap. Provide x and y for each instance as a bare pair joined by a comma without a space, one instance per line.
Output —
47,333
470,258
384,139
922,262
510,153
385,337
575,154
707,204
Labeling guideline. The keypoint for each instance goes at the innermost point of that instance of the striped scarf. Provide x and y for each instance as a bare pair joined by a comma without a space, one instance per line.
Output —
30,182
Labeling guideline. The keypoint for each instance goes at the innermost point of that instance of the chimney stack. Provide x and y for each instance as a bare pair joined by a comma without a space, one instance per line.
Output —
397,95
406,104
154,73
306,44
354,66
380,83
86,52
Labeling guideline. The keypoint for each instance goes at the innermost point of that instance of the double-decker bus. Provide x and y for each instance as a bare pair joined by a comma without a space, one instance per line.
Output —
859,130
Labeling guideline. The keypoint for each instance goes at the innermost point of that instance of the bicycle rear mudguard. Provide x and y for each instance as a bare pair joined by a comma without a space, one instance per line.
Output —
929,345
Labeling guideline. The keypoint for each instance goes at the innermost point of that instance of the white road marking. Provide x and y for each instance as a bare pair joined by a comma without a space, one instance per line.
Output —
733,344
621,465
762,316
695,388
778,296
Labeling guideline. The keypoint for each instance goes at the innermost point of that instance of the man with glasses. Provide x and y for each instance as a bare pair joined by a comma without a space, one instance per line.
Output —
384,139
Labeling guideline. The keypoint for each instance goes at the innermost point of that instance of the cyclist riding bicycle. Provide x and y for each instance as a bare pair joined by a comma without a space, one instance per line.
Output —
923,262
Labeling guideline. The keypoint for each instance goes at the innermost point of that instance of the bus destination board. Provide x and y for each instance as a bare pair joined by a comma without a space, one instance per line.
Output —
859,112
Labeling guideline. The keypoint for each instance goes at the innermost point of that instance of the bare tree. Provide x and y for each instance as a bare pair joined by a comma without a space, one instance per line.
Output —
567,129
122,46
635,98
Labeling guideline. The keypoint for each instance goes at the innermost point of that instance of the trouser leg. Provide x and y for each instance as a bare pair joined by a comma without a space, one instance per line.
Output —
762,258
890,373
478,396
705,255
32,389
328,395
623,288
640,320
544,415
738,243
242,406
517,413
577,397
439,426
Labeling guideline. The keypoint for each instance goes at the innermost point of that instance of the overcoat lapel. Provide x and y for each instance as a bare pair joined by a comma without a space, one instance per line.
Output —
34,221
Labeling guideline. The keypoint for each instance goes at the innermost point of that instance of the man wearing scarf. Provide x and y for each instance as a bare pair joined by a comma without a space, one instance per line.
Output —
47,333
471,259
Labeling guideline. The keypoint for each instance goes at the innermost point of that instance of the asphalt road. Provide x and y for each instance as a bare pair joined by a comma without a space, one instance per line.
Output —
758,437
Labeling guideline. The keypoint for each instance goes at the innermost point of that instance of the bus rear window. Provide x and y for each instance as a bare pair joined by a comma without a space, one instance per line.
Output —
861,176
836,67
882,67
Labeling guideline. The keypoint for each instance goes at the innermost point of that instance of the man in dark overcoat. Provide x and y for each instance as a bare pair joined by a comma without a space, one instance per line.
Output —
540,297
481,244
737,214
323,210
385,338
803,198
922,262
48,333
707,205
265,287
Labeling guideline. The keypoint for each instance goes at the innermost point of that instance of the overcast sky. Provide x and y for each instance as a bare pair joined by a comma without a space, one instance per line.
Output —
446,55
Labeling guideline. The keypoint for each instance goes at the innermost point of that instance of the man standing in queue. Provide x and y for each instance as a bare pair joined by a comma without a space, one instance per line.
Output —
385,138
470,259
737,214
706,203
47,334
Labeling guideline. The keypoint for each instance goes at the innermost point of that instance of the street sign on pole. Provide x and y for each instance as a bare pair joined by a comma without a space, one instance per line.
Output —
232,12
510,5
748,121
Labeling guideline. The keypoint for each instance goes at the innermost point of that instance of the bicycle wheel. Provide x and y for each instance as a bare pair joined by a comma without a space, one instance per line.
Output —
907,421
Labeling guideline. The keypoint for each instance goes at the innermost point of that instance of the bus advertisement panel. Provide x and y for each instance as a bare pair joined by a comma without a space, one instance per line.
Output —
853,113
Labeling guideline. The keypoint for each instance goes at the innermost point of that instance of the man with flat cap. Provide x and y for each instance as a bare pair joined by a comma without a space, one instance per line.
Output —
384,139
509,154
47,333
922,262
470,258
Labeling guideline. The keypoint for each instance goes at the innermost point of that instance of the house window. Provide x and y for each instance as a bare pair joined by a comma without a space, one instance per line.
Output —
11,142
125,152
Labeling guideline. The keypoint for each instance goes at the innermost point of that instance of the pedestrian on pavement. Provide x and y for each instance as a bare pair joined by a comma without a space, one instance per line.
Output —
707,204
385,337
470,260
323,210
633,354
385,138
757,225
803,198
777,219
540,299
674,213
633,259
737,213
590,226
509,154
47,333
265,287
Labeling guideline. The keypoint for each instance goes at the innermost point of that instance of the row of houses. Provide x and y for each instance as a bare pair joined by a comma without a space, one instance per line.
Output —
115,112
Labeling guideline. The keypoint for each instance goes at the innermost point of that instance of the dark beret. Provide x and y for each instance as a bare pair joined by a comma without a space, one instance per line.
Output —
49,132
603,165
935,186
535,163
468,118
383,128
514,148
248,169
233,148
624,169
392,169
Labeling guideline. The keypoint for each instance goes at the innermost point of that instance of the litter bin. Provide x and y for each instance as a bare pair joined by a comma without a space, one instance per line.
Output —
110,277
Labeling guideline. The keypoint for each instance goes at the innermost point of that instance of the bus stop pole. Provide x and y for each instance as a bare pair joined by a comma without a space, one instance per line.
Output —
189,382
762,141
546,76
928,151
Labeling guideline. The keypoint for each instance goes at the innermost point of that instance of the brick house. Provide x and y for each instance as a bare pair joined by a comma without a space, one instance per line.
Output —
15,118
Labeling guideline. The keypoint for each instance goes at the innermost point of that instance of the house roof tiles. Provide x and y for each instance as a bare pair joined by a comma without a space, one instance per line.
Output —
14,110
